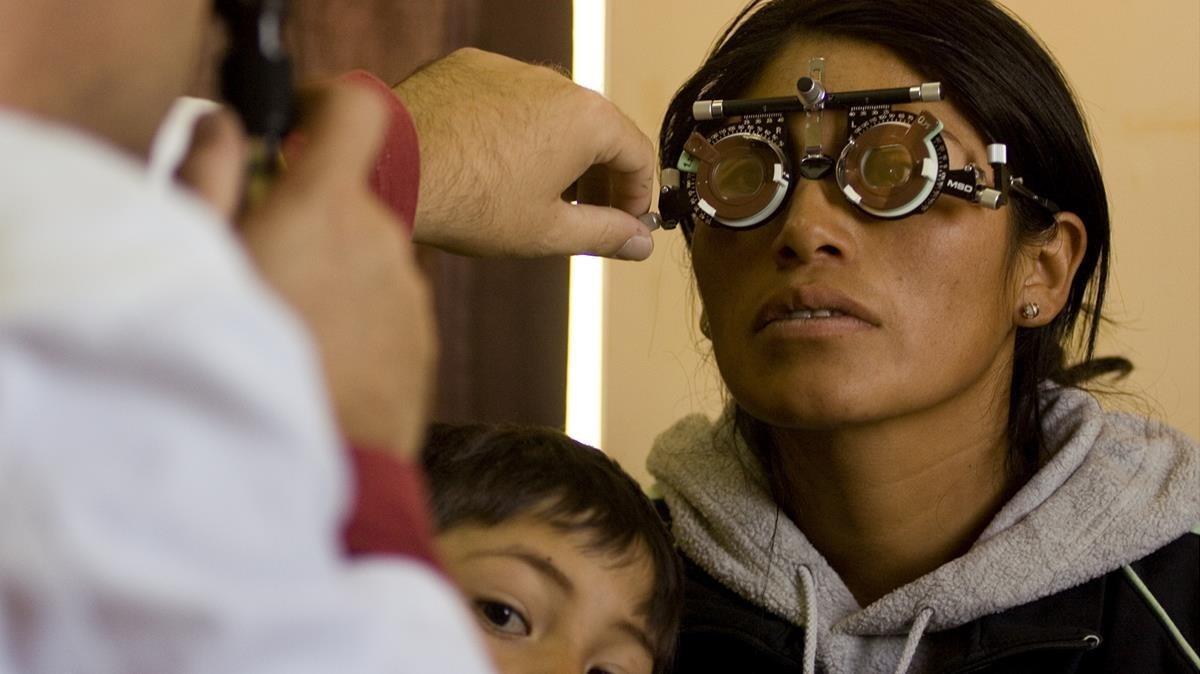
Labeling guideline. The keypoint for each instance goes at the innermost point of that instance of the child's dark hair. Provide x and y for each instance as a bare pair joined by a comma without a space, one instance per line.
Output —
487,474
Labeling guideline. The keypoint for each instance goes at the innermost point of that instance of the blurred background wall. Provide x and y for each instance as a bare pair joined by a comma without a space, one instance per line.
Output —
1136,69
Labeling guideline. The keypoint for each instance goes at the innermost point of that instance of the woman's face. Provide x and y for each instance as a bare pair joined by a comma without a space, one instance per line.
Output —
922,307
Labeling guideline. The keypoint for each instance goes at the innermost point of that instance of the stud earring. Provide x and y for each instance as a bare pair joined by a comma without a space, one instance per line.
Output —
705,328
1030,311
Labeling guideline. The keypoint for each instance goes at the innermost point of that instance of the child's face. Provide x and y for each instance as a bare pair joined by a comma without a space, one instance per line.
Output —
547,604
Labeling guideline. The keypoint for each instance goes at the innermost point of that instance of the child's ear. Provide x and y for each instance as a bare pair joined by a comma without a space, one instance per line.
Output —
1048,271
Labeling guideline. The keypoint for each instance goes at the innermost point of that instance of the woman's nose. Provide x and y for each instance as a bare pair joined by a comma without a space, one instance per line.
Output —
816,225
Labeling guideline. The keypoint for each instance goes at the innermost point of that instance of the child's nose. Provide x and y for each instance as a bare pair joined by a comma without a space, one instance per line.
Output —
558,658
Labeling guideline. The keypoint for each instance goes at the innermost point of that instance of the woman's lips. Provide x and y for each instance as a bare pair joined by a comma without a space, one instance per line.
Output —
813,310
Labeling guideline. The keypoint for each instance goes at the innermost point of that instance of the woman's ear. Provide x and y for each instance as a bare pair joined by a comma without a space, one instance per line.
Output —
1049,271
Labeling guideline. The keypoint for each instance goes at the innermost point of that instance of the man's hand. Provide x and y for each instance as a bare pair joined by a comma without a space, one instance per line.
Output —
335,253
502,141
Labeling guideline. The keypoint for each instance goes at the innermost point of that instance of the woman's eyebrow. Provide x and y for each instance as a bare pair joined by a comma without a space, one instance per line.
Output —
535,561
638,635
950,135
969,154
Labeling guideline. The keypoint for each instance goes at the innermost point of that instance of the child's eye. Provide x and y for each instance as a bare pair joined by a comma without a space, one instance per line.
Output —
502,618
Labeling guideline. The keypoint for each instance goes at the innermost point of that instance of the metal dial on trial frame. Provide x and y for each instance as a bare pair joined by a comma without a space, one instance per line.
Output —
864,121
767,130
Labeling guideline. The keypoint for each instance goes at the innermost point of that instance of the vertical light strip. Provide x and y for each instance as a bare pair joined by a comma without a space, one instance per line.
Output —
585,323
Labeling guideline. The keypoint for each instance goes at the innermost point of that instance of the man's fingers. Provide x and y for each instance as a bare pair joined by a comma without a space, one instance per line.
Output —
214,166
629,157
594,187
600,186
342,126
598,230
630,193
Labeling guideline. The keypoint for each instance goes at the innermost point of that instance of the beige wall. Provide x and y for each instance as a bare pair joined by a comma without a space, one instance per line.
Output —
1137,70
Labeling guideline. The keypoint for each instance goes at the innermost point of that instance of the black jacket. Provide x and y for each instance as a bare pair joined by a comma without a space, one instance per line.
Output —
1104,626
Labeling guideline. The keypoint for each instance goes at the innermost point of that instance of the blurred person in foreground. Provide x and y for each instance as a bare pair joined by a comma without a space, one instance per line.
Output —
177,395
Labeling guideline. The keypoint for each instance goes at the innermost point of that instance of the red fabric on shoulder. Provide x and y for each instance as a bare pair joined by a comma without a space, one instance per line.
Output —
397,174
391,512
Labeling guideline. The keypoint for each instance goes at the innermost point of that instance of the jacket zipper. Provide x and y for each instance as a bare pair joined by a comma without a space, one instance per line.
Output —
1087,643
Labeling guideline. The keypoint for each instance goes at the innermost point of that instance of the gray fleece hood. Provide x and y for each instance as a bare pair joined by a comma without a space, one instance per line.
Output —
1117,488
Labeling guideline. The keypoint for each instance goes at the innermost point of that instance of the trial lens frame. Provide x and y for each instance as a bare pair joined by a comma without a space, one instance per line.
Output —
895,163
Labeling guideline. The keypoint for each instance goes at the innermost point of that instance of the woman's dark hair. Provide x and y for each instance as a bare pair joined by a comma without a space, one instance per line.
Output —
487,474
1010,89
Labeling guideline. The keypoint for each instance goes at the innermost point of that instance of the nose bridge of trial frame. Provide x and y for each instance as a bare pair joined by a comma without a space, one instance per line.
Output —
812,98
